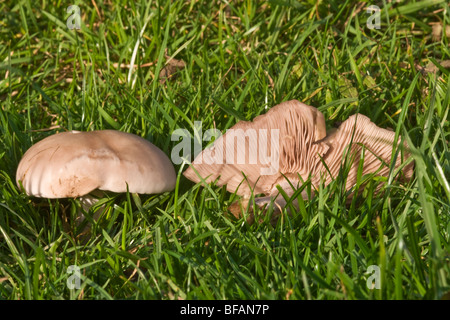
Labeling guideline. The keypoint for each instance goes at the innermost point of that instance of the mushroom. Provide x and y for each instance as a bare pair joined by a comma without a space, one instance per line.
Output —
84,164
354,135
299,150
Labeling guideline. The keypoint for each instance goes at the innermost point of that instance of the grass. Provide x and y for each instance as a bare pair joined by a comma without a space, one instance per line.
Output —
240,57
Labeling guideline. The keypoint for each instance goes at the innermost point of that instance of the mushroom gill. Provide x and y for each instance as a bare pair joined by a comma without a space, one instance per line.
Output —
289,145
252,155
358,135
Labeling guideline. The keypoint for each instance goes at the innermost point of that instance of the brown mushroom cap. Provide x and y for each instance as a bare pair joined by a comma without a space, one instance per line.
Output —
72,164
302,146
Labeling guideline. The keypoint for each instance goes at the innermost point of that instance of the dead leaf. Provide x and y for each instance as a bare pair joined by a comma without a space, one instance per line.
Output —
170,69
437,31
429,68
432,68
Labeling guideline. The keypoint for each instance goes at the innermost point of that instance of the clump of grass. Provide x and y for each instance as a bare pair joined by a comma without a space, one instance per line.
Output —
239,59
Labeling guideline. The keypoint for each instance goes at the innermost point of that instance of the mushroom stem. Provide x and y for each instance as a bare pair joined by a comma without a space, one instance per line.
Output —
87,202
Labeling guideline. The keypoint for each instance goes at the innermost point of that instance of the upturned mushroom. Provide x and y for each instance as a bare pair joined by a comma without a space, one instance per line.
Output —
296,148
83,164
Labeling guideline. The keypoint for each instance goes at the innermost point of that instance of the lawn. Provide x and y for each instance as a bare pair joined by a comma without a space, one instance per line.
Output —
152,67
